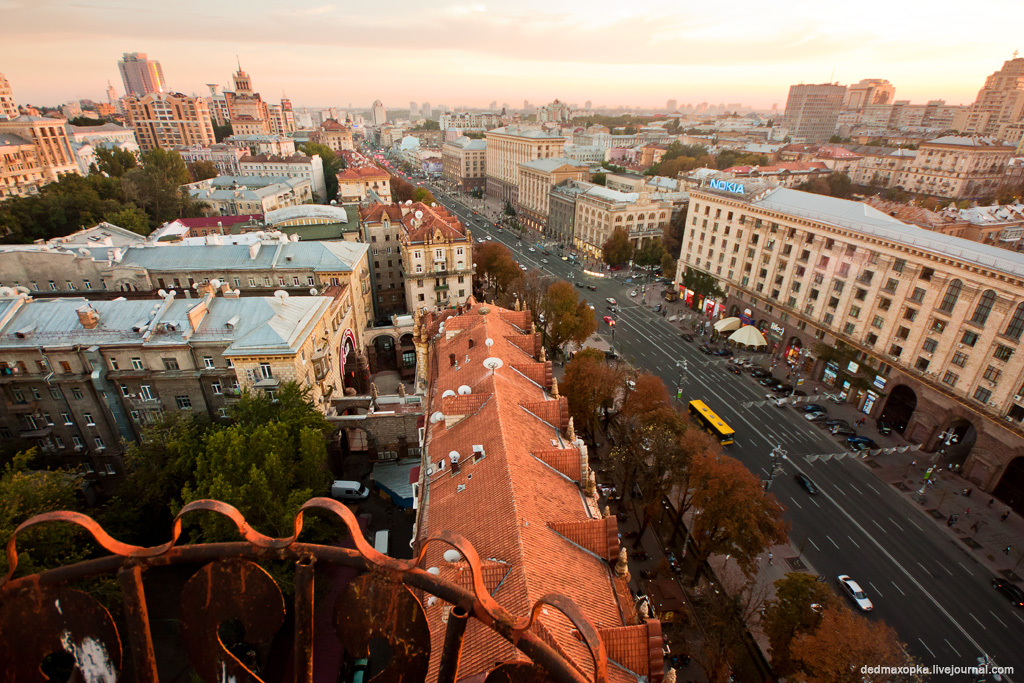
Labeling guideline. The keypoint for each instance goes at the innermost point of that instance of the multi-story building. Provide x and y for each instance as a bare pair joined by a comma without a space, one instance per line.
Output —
869,92
333,134
51,154
227,158
282,118
880,166
437,254
8,105
235,195
217,103
360,179
297,165
381,227
812,111
378,114
957,168
463,163
933,322
107,135
598,211
468,121
169,120
82,377
1002,226
513,145
263,144
141,75
506,430
536,178
248,112
1000,103
555,112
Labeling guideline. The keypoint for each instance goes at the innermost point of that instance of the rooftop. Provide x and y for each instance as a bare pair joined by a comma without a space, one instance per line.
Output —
524,132
550,164
269,255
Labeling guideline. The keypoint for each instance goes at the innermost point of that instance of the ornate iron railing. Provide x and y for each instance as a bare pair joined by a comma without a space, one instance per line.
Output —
41,614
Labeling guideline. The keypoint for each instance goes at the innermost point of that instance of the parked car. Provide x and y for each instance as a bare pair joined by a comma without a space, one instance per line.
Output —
532,249
687,337
657,308
633,293
734,369
723,352
812,408
806,484
836,422
1010,590
840,430
704,348
760,373
859,447
777,401
783,389
862,439
816,416
853,591
592,287
769,381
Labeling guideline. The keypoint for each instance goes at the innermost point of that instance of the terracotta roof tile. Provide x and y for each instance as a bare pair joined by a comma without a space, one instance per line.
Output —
599,536
565,460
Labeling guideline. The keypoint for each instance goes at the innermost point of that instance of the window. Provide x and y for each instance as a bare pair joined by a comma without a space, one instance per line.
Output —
77,393
992,373
833,302
208,362
898,265
922,364
891,284
1016,326
145,393
982,395
959,359
838,286
183,402
938,326
89,422
136,364
878,321
828,318
113,364
849,328
88,285
859,294
969,338
99,443
170,363
854,311
927,273
950,378
67,419
872,339
883,303
950,298
79,444
903,332
895,350
910,314
829,243
125,391
930,345
216,388
265,371
984,307
1003,353
252,282
918,295
822,262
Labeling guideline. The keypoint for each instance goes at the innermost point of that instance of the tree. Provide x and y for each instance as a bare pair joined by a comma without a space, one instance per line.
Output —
569,318
509,209
702,283
428,124
795,610
844,642
202,170
333,163
115,161
496,267
599,178
86,121
672,237
726,613
589,385
732,515
422,194
221,132
155,187
531,291
833,185
731,157
61,208
668,265
130,218
617,249
650,253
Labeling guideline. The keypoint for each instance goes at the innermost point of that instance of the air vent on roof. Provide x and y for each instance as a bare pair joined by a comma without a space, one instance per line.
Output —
232,321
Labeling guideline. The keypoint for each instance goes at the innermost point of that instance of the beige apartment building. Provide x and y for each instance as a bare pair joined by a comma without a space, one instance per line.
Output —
49,139
297,165
600,210
933,322
80,378
536,178
513,145
333,134
8,105
169,120
957,168
437,254
237,195
360,179
999,104
21,173
464,163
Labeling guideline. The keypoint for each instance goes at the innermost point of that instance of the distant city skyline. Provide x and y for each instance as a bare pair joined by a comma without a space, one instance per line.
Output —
471,54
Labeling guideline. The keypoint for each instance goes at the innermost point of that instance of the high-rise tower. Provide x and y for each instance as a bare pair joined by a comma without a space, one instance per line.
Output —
140,74
812,111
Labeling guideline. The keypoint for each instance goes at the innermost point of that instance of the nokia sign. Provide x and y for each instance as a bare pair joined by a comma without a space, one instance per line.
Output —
735,188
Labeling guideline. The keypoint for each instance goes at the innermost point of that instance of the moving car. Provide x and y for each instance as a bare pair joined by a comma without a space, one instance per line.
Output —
855,593
1011,590
816,416
532,249
806,484
522,267
687,337
579,284
783,389
633,293
611,301
608,319
613,309
592,287
704,348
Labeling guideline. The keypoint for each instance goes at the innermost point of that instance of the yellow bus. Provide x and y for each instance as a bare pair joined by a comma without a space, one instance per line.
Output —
711,422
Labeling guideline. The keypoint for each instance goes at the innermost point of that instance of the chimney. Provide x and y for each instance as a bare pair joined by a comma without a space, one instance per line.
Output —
88,316
254,249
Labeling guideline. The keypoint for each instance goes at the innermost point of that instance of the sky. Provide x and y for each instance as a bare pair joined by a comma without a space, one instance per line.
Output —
470,53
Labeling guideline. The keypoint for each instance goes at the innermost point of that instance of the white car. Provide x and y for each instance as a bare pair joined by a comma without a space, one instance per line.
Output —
522,267
633,293
853,591
611,301
777,401
532,249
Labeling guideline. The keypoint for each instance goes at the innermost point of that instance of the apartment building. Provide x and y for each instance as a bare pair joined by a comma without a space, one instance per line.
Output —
999,104
361,179
536,178
333,134
263,144
8,105
513,145
813,110
225,157
21,172
468,121
934,321
598,211
437,255
297,165
382,228
236,195
880,166
463,163
51,150
957,168
169,120
81,378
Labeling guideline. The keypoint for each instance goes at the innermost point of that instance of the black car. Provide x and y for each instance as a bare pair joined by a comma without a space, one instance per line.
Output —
592,287
687,337
760,374
783,389
1010,590
770,381
836,422
812,408
657,308
723,352
580,285
840,430
707,349
734,369
806,484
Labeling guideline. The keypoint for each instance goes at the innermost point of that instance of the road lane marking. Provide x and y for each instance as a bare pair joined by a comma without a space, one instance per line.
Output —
997,618
897,588
915,524
793,501
966,569
815,502
811,541
925,570
878,525
852,541
976,619
946,568
952,648
876,589
833,542
926,647
895,524
850,484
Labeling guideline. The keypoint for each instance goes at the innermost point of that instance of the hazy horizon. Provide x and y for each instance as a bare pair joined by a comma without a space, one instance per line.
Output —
472,54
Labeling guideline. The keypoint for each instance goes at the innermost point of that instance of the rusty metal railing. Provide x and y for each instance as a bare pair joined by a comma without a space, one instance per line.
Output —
41,614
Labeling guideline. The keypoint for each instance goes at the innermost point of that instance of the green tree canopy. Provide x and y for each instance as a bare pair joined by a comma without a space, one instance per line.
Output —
731,157
61,208
333,163
795,610
428,124
617,250
599,178
422,194
650,253
568,317
833,185
115,161
202,170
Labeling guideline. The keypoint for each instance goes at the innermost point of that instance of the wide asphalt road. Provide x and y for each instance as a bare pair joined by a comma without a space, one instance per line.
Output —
936,596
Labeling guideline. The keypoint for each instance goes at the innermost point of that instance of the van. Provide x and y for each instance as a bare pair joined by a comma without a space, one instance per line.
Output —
348,490
380,541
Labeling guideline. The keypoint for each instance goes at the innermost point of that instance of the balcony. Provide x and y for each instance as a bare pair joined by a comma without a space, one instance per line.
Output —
136,401
267,383
22,406
441,288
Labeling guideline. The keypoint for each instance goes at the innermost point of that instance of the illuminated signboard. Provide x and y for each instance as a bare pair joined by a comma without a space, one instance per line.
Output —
735,188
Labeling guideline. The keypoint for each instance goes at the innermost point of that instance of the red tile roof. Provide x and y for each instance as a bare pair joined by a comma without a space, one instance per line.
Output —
361,173
515,504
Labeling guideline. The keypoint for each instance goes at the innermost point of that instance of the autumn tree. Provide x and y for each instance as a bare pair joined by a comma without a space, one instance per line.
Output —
530,292
202,170
617,249
155,186
668,265
401,191
844,642
590,386
568,317
795,610
496,267
726,613
422,194
732,514
650,253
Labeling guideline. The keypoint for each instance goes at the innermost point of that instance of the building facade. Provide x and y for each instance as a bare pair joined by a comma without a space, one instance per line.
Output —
869,92
263,144
469,121
141,75
513,145
957,168
378,114
249,114
931,324
8,105
437,255
24,170
600,210
21,173
169,120
999,104
463,163
297,165
236,195
227,158
536,178
333,134
361,179
812,111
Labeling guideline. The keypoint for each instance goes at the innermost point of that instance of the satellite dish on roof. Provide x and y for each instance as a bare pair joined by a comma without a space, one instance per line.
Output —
215,283
418,214
436,417
312,291
465,390
161,293
493,364
454,456
434,570
448,393
489,342
452,555
408,202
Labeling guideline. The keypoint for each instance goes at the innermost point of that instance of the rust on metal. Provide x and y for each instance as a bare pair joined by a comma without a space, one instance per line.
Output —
303,608
448,670
136,616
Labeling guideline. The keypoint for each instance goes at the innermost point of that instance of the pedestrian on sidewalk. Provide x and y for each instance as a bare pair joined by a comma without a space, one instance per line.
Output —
990,501
1004,516
967,492
967,512
1006,550
770,557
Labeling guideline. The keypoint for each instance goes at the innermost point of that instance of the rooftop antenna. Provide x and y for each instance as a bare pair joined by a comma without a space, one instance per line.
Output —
831,79
239,62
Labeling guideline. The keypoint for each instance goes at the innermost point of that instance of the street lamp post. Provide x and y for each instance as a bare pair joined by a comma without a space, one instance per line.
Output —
777,456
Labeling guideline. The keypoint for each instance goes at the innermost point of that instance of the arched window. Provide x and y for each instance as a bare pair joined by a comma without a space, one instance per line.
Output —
984,307
1016,326
952,294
